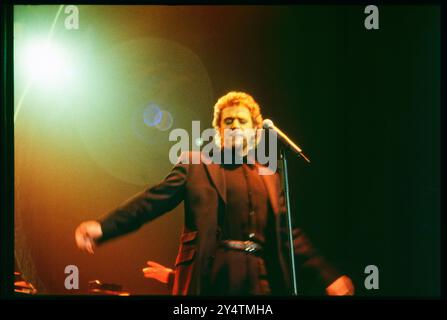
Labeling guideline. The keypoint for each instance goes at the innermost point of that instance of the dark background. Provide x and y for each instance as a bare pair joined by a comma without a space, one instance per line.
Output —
363,104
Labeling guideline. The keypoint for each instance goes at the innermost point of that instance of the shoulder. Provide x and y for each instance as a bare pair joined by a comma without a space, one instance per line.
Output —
194,157
270,170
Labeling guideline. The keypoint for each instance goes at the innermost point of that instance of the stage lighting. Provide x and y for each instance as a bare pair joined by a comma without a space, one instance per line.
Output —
46,63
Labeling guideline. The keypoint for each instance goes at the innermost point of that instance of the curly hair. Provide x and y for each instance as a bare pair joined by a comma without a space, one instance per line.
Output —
235,98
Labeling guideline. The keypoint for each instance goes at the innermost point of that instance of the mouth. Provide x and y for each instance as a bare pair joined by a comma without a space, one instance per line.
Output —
236,133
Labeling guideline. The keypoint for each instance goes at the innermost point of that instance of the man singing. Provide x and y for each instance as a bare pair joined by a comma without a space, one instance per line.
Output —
234,240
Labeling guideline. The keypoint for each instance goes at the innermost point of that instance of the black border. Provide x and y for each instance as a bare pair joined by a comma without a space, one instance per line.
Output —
7,156
443,120
163,302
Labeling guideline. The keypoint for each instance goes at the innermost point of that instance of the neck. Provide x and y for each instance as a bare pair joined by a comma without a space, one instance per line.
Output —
236,156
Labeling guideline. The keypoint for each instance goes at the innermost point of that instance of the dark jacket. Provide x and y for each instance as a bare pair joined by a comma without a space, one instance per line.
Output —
202,187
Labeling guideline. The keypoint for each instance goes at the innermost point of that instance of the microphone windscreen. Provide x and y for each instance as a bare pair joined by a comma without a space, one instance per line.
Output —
267,124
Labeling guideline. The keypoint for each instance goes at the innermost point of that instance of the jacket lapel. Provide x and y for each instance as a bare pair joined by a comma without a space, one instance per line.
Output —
272,190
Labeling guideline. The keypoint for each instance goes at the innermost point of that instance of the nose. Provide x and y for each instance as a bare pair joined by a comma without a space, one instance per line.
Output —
235,125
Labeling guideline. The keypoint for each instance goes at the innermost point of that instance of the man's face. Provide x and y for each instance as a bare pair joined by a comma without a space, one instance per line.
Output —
236,120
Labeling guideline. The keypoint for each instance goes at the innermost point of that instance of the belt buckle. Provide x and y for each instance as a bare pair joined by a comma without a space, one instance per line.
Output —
250,246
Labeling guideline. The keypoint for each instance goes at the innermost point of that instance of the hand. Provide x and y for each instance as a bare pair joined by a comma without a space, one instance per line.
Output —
301,244
157,271
341,287
86,234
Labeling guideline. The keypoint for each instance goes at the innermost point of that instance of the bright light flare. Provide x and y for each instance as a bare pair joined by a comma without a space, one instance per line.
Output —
47,63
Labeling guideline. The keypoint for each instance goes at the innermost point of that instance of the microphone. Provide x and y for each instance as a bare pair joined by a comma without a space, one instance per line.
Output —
268,124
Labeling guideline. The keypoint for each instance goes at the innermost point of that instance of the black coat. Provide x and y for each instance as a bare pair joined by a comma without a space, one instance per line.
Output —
202,187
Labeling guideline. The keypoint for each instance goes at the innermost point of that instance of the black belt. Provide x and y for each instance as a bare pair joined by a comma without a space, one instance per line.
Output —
248,246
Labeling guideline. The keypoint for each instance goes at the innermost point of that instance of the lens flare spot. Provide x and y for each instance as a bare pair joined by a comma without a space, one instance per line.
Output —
166,121
152,115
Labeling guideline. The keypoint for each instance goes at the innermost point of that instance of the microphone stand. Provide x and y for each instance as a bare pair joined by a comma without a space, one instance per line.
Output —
289,219
289,144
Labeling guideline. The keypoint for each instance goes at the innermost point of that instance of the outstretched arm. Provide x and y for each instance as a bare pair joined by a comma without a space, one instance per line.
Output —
146,205
131,215
336,283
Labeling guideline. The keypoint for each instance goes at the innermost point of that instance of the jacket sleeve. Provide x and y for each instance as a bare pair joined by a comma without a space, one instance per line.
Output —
146,205
311,260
